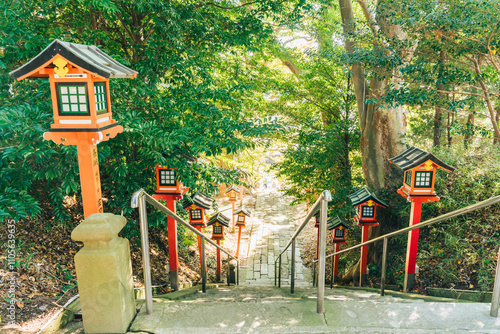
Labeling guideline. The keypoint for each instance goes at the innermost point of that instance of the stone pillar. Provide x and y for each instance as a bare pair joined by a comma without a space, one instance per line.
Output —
104,274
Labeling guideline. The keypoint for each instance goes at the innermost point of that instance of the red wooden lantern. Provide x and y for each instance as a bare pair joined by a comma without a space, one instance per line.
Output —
338,228
241,215
366,205
170,189
168,186
196,208
419,169
81,104
218,221
233,192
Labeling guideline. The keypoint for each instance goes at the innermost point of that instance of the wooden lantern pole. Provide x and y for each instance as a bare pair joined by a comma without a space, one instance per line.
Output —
218,262
336,263
173,255
364,255
239,239
411,249
232,219
88,163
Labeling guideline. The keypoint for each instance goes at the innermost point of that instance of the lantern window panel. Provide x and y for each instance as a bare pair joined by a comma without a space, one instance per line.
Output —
196,214
167,177
423,179
101,101
232,195
73,99
217,229
339,233
241,218
368,211
408,176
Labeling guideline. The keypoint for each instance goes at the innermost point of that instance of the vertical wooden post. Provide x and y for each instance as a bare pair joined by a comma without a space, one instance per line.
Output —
239,239
317,244
173,255
364,255
88,163
412,247
232,219
336,263
218,262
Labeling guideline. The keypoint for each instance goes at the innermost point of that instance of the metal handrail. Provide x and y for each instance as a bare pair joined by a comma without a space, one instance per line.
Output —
432,221
321,204
139,199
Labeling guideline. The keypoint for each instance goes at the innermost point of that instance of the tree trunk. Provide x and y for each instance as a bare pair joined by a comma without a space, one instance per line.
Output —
470,130
382,128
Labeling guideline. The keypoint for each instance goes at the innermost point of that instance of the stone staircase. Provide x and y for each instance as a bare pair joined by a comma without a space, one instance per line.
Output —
259,309
271,228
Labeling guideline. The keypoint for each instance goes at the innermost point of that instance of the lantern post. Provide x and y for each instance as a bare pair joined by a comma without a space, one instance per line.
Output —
366,205
81,104
170,190
419,169
232,193
196,208
241,215
218,221
338,228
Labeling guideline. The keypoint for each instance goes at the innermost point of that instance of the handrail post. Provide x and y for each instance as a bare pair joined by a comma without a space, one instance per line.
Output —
203,271
275,273
495,299
292,271
143,221
331,280
314,273
384,262
279,272
228,270
322,255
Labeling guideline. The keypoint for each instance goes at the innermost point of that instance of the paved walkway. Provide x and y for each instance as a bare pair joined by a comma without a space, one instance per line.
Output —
272,226
248,309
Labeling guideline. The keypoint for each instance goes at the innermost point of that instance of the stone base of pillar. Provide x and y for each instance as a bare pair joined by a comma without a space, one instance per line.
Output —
363,279
173,277
104,274
409,282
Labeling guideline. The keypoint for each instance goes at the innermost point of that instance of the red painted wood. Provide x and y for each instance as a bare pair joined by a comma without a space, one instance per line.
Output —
173,256
218,259
239,238
336,261
411,250
364,249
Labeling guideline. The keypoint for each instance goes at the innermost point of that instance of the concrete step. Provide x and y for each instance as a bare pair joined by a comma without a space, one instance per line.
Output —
244,309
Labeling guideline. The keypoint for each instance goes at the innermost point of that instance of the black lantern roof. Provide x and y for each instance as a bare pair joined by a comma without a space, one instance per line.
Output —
200,200
364,195
336,222
219,218
414,157
244,211
233,187
88,57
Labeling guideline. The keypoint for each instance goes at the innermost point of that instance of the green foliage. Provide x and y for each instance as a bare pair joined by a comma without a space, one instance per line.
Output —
188,97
